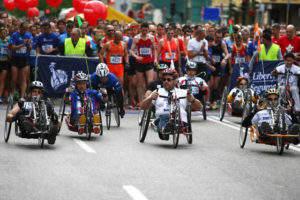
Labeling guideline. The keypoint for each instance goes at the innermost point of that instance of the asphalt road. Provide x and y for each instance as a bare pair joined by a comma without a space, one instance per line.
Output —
117,166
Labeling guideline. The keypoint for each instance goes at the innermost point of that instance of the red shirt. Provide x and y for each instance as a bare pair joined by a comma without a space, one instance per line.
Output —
274,40
144,50
165,55
287,45
238,56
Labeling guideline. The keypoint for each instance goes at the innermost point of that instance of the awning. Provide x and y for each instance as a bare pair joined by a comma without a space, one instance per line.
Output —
115,14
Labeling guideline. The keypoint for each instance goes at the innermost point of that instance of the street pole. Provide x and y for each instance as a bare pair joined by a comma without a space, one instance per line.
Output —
188,10
248,12
230,9
287,12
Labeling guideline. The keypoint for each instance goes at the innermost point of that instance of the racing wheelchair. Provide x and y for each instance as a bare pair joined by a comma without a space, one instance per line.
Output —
37,112
175,119
280,138
87,111
111,106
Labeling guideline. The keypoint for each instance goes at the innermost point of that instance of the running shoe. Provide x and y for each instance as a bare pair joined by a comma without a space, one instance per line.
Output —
213,106
132,106
82,122
96,123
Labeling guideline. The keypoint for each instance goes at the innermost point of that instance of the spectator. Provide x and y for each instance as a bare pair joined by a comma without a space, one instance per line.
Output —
47,41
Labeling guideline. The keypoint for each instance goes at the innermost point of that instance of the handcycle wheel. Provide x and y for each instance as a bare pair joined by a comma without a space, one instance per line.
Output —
189,137
145,124
140,118
223,104
116,110
246,111
177,126
108,115
280,141
7,127
203,108
101,125
89,121
61,112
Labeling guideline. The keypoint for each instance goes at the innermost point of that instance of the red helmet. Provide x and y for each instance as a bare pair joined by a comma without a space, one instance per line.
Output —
171,72
238,80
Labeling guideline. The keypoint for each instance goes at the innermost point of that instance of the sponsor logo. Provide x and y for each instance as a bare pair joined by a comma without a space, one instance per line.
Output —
58,78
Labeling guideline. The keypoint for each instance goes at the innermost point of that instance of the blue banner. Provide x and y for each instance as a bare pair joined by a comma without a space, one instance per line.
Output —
211,14
56,72
259,81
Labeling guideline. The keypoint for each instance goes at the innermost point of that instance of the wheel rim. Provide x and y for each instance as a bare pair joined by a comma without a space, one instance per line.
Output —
140,118
108,116
223,104
243,131
143,123
7,126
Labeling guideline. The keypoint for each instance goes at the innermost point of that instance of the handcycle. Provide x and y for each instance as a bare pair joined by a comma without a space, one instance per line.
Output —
285,94
175,119
87,111
280,138
37,111
111,106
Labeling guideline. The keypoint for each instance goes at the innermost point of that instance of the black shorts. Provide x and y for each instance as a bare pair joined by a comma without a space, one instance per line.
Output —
169,64
143,67
19,62
218,71
3,65
131,70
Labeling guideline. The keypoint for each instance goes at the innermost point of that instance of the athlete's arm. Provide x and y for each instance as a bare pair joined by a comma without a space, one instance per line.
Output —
154,51
132,49
103,50
126,56
160,45
179,57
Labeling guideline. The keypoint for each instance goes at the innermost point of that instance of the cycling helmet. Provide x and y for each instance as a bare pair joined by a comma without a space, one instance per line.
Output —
162,67
80,77
170,72
271,91
36,84
238,80
191,65
102,70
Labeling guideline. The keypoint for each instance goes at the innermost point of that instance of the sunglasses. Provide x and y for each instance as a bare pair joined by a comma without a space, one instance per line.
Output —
244,84
170,33
110,30
167,79
272,99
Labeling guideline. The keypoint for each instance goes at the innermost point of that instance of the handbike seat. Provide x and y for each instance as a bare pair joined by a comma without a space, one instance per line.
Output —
70,126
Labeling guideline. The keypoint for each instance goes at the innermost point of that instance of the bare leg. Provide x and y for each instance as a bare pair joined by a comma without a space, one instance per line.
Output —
14,78
24,73
2,81
140,84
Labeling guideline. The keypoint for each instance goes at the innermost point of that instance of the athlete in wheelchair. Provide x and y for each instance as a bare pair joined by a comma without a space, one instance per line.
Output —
103,79
288,75
195,85
270,123
165,100
84,105
35,115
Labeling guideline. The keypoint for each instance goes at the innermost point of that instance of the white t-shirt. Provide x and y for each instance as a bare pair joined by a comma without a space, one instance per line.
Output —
239,93
265,116
196,83
293,79
161,103
194,45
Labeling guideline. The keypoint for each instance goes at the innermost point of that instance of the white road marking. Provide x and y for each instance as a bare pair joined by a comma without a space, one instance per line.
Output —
84,146
294,148
134,192
225,124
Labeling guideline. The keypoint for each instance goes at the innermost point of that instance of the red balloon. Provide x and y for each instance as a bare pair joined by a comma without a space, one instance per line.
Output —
54,3
93,11
70,14
79,5
33,3
9,4
33,12
22,5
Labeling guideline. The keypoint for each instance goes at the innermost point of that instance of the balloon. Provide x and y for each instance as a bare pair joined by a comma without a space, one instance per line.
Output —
33,12
22,5
9,4
47,11
93,11
33,3
71,14
54,3
79,5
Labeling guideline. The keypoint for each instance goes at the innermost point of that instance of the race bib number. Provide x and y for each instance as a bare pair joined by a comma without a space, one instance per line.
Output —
239,59
115,60
195,90
22,50
27,109
33,52
78,107
168,56
46,47
166,105
200,58
145,51
216,58
4,51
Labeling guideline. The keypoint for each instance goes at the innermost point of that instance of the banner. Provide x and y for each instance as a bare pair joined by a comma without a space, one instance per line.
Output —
211,14
56,72
258,81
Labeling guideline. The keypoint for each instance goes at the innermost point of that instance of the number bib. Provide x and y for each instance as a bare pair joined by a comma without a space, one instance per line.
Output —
46,47
200,58
78,106
4,51
115,60
145,51
168,57
166,105
216,58
33,52
239,59
22,50
195,90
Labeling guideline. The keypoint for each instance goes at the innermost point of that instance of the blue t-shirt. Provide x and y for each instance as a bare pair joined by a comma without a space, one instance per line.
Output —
62,38
251,48
3,48
16,39
33,51
46,42
229,44
111,84
77,103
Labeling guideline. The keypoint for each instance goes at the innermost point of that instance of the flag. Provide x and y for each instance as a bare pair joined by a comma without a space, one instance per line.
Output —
255,31
230,26
79,21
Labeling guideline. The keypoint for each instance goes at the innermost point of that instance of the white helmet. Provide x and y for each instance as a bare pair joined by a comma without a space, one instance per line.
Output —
36,84
80,77
102,70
